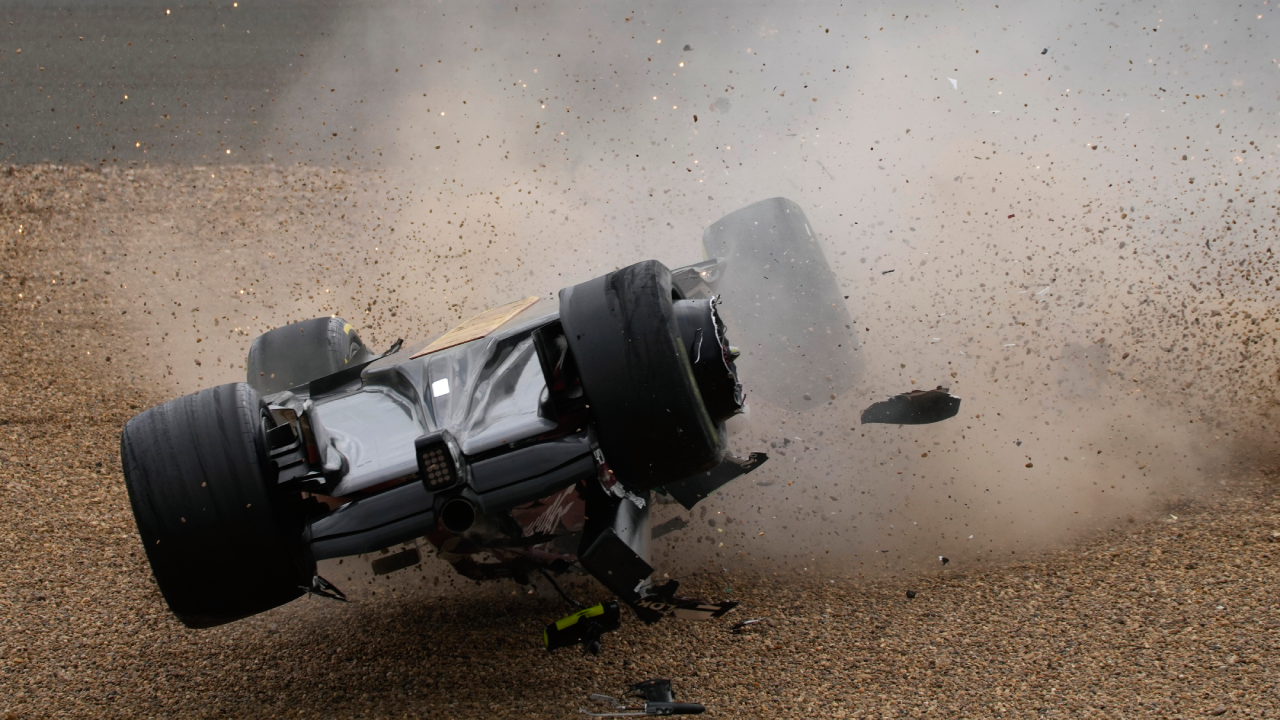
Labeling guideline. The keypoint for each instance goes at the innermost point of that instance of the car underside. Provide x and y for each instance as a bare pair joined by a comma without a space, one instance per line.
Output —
488,447
531,439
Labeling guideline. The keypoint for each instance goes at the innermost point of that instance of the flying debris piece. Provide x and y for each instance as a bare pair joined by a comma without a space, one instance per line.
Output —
690,491
687,48
911,594
918,407
955,85
668,527
396,561
885,272
658,697
1044,51
944,560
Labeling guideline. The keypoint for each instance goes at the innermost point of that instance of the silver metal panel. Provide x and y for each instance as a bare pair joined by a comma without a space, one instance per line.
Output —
504,405
374,430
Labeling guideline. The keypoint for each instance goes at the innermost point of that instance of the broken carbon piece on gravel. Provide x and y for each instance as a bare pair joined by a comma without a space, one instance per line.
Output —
325,589
918,407
662,601
659,700
583,627
738,627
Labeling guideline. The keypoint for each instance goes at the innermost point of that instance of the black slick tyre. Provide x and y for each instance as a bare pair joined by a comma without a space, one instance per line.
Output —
221,543
650,418
300,352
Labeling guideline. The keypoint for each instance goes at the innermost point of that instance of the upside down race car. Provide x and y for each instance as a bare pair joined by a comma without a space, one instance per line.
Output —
532,438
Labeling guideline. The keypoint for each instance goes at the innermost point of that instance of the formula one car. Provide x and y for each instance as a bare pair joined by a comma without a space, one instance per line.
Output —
531,439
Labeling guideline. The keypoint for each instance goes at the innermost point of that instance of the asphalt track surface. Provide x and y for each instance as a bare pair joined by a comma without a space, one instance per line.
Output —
123,83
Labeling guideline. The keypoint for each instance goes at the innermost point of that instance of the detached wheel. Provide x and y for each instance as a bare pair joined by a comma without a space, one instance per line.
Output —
653,423
298,353
222,544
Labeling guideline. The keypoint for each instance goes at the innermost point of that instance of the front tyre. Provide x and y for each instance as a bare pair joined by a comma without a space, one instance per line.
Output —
222,543
652,423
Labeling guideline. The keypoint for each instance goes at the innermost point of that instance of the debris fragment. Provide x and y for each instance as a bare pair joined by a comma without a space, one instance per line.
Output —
659,700
323,588
396,561
911,594
918,407
1044,51
738,627
955,85
944,560
885,272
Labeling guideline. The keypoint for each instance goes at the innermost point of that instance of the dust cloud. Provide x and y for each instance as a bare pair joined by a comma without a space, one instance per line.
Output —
1067,216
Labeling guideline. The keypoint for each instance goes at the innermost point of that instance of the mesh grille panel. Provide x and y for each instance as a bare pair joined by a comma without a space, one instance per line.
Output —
436,466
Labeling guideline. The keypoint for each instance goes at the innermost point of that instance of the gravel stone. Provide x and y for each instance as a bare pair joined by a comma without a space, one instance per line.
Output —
1162,618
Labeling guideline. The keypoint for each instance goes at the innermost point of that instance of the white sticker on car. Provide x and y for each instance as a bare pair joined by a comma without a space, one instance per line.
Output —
440,387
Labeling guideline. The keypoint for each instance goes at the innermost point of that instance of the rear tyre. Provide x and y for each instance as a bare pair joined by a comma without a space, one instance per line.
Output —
222,544
650,417
296,354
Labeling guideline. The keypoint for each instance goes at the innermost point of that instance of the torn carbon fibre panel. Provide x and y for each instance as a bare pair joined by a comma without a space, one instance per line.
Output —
615,542
692,490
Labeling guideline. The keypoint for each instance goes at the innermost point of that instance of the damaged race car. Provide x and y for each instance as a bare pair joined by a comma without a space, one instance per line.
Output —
530,439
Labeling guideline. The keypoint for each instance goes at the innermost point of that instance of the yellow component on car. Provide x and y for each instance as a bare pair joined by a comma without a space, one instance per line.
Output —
573,619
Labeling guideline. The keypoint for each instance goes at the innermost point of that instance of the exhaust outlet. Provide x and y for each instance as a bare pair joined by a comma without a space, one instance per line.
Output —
458,516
